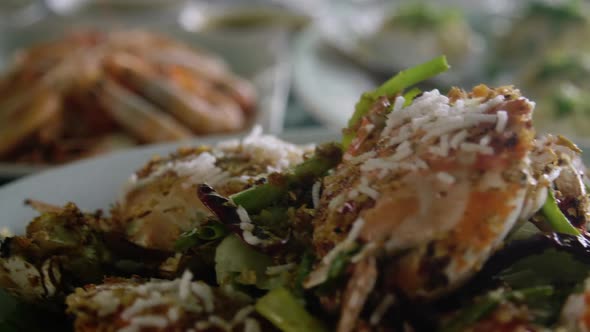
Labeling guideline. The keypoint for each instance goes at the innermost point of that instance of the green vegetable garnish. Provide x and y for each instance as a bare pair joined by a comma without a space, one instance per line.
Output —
238,263
336,271
209,232
283,310
256,198
410,95
555,218
403,80
340,263
304,269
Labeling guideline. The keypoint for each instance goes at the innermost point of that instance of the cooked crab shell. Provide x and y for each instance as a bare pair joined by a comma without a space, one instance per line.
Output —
160,201
159,305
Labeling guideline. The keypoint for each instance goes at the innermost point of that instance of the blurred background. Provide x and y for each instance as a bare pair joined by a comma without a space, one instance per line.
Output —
85,77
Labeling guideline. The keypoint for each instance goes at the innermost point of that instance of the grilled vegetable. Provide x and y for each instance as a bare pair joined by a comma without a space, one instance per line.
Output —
283,310
65,248
393,86
326,157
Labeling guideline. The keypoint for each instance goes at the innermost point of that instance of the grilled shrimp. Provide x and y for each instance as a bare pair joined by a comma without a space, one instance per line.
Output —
64,99
160,200
159,305
433,188
445,179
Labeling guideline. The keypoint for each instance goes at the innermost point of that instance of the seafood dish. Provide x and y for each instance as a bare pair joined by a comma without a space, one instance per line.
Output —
434,212
96,91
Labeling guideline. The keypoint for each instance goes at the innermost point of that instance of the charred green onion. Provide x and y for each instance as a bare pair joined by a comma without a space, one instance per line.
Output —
227,213
555,218
199,235
403,80
256,198
410,95
283,310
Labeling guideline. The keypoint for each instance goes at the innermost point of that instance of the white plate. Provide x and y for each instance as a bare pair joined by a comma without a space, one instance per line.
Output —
95,183
327,84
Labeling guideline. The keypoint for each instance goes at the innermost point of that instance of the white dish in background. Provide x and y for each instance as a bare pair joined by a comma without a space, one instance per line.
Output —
260,56
355,30
95,183
327,84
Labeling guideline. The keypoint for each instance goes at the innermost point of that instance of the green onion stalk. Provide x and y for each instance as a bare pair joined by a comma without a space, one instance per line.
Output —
555,218
286,313
403,80
256,198
199,235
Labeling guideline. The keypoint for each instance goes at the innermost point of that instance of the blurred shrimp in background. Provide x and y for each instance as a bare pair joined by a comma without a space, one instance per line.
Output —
86,77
